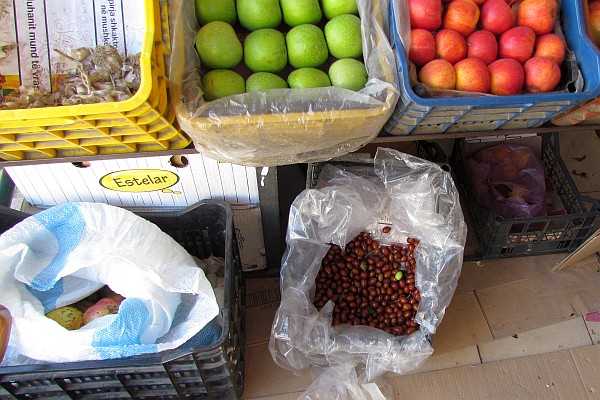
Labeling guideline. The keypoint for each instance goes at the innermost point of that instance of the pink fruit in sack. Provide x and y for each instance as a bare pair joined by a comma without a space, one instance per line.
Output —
104,306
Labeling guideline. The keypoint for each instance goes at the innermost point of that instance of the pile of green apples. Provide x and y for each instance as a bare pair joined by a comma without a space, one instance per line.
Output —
257,45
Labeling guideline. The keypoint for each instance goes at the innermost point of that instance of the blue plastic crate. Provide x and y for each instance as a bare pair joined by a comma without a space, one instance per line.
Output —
426,115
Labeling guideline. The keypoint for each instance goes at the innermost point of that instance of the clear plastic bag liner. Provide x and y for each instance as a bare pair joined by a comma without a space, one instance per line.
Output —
285,126
343,382
421,201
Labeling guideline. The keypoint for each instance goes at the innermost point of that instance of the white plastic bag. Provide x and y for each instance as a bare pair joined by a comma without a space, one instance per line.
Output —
285,126
342,383
421,202
65,253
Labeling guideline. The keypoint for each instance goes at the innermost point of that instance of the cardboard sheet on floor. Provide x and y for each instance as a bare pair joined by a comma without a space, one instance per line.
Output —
264,377
463,325
485,274
569,334
542,300
568,374
495,299
262,301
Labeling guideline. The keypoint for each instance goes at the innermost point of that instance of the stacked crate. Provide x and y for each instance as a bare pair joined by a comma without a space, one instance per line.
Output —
144,122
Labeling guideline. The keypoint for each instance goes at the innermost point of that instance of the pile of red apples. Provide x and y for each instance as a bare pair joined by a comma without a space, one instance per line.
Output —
501,47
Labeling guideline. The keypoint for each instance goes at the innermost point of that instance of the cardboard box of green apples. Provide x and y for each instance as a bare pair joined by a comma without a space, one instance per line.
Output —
275,82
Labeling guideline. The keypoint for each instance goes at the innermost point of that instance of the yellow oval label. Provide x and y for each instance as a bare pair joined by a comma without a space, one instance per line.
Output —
139,180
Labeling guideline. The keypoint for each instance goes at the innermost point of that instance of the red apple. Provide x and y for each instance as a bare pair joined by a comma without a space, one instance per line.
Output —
541,75
438,74
506,77
550,45
497,16
479,2
450,45
594,21
461,16
425,14
422,47
539,15
482,44
472,76
517,43
104,306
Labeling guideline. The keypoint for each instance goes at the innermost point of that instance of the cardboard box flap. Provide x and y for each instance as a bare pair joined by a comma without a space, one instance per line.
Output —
589,247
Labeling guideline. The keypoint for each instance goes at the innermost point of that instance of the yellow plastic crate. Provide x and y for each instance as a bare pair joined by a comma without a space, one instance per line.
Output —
144,122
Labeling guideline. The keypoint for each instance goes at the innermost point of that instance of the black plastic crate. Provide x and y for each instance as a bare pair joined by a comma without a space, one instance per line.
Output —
432,151
208,372
352,162
426,150
10,217
500,237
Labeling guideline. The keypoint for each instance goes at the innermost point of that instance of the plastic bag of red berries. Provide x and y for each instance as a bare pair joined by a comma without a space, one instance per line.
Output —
374,252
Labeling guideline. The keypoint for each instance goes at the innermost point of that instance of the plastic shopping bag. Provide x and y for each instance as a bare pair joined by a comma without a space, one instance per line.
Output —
61,255
285,126
509,179
420,201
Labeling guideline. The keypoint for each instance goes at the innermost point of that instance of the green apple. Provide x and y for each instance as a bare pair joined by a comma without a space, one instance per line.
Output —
265,50
260,81
298,12
218,46
306,46
343,35
348,73
219,83
333,8
216,10
259,14
308,78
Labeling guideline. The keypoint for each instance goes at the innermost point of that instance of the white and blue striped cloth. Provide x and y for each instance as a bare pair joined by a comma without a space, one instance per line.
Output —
65,253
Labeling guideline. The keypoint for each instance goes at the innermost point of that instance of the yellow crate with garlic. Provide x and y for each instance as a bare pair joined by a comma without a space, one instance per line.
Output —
84,78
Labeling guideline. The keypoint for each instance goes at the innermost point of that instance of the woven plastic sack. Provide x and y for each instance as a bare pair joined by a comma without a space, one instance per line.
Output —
65,253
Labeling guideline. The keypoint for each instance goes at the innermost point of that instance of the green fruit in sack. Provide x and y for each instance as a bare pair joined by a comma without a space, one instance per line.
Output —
68,317
348,73
221,83
218,46
265,51
343,35
333,8
264,81
216,10
298,12
306,46
308,78
259,14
